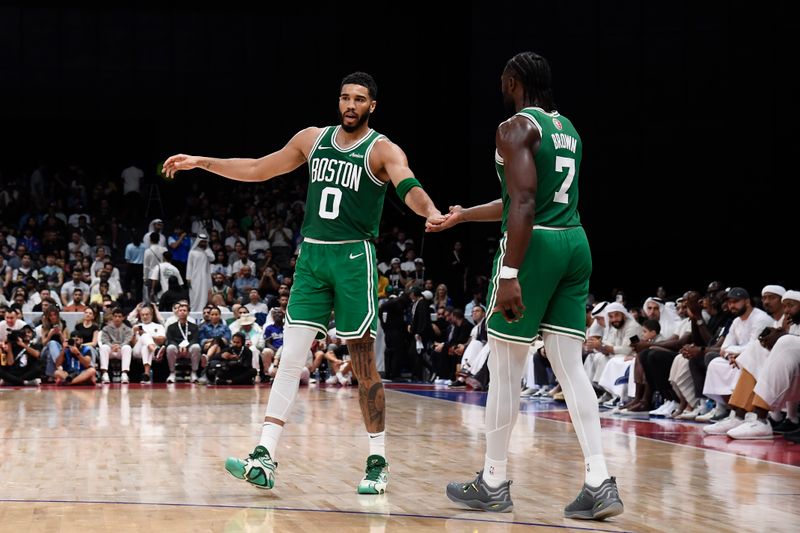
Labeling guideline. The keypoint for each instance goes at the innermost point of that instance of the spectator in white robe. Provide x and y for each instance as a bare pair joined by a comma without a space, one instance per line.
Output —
156,226
655,309
198,272
722,373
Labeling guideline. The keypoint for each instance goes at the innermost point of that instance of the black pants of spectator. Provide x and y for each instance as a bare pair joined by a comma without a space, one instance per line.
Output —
419,361
181,268
395,353
445,364
698,368
657,364
133,281
540,365
18,375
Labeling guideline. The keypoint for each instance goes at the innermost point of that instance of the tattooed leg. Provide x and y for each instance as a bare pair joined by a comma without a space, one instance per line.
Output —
370,386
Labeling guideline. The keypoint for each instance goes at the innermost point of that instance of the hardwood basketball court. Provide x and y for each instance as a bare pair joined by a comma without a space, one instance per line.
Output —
150,458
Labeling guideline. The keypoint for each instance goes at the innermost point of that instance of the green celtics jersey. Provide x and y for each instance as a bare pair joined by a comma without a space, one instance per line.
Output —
557,164
345,199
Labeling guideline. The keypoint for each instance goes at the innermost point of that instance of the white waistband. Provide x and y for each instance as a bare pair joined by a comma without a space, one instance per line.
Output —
315,241
550,228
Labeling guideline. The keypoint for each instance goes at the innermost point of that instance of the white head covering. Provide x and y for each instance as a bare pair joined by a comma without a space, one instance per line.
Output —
669,316
196,241
616,307
773,289
150,229
599,309
791,295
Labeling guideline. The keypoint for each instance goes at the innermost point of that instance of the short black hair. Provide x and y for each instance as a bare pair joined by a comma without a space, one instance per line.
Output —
652,325
363,79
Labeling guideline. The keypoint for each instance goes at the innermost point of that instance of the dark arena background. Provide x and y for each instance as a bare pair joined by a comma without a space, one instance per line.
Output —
688,115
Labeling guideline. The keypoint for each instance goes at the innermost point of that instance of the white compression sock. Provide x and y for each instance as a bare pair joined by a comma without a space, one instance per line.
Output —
377,444
270,435
564,354
296,344
506,364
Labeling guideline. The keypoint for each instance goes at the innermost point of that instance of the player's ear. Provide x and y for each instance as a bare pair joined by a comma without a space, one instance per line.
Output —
372,106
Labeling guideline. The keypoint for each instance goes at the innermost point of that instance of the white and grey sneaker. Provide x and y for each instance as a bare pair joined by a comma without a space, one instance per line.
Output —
476,494
171,377
596,503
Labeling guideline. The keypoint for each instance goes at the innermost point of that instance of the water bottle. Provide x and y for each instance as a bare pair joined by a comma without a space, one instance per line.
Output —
657,400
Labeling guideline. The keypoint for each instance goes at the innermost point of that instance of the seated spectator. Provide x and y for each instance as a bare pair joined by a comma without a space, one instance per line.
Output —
255,304
74,365
89,332
253,335
12,321
150,337
76,305
22,360
273,339
183,342
335,353
233,364
219,302
220,286
244,282
103,291
51,273
115,341
68,289
213,335
52,335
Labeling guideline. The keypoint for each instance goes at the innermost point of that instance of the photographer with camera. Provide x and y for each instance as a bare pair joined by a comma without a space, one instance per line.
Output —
74,365
21,360
234,365
52,332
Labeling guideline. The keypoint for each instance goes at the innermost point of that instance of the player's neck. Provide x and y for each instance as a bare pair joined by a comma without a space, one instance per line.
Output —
347,138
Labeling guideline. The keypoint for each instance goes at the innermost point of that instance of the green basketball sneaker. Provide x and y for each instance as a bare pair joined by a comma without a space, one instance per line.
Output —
257,469
377,476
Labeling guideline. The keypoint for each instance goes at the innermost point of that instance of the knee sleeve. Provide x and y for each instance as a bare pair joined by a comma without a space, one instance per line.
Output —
296,344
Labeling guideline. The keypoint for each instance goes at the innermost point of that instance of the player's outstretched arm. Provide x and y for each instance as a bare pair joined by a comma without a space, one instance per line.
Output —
284,160
393,164
490,212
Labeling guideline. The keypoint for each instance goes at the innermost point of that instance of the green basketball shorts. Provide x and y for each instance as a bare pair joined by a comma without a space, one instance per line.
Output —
342,277
554,278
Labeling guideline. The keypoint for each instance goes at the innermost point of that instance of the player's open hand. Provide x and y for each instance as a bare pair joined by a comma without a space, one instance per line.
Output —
179,162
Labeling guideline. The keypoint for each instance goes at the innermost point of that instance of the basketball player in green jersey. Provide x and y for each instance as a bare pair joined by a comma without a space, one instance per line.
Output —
349,168
540,283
